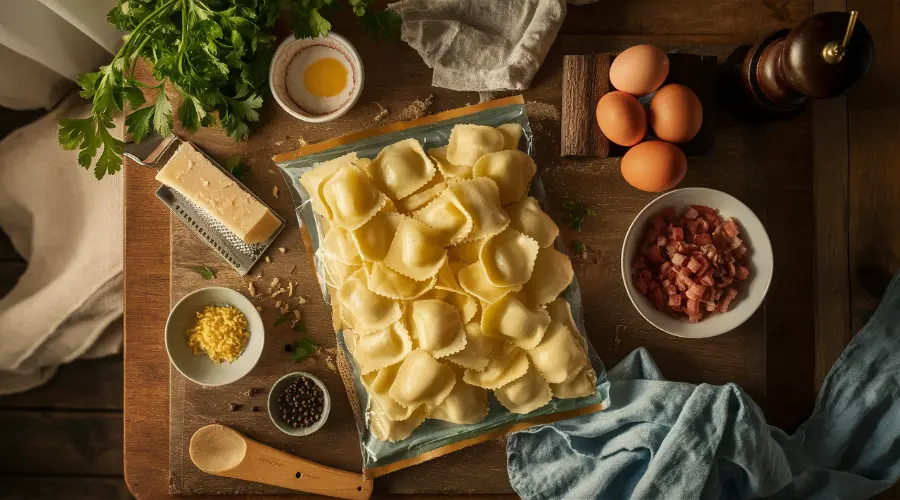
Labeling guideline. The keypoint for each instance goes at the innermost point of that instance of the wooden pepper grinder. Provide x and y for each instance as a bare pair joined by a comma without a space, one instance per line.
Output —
824,56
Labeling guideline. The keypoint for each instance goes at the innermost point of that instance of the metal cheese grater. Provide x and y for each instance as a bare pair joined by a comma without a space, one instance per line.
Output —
154,152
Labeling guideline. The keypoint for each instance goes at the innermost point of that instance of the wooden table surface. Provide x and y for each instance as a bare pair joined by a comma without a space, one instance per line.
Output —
821,183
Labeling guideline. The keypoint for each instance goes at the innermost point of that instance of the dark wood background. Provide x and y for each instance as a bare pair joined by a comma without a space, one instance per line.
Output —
64,440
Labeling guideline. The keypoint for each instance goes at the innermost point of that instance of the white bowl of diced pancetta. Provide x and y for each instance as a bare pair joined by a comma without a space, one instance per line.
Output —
696,262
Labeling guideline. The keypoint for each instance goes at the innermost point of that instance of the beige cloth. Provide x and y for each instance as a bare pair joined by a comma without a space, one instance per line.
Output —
68,226
481,45
46,44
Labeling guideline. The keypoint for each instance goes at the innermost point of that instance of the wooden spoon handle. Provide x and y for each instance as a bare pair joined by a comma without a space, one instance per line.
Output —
223,451
264,464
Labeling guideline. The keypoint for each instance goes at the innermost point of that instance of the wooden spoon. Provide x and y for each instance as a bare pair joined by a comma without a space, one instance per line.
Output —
223,451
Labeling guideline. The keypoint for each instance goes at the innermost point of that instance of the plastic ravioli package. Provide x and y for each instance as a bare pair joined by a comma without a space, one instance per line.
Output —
456,310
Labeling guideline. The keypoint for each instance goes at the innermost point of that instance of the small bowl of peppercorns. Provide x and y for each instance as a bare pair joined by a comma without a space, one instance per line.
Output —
299,404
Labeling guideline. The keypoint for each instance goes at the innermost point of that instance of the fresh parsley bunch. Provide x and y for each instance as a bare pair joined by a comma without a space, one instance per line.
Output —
214,53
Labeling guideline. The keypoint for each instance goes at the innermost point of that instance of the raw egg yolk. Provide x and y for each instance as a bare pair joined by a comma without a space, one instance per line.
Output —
326,77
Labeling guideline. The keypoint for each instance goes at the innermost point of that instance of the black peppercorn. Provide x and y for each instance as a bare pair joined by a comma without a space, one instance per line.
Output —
254,409
234,407
301,403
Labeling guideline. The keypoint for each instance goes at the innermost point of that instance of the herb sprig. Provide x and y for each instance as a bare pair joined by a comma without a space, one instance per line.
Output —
204,271
215,56
303,349
577,212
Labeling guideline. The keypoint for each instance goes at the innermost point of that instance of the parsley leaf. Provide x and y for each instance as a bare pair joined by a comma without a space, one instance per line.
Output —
578,247
162,114
204,271
235,167
303,349
282,319
299,327
577,212
134,96
138,122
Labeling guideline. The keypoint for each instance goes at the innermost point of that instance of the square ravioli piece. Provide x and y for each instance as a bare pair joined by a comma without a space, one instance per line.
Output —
379,349
447,216
421,380
437,327
527,217
401,169
468,143
363,310
350,197
511,169
508,258
312,180
439,156
417,251
480,198
510,320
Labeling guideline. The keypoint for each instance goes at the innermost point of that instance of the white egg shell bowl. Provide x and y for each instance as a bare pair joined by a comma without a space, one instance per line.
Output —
281,61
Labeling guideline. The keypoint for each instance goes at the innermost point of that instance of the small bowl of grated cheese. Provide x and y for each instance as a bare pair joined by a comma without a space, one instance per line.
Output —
214,336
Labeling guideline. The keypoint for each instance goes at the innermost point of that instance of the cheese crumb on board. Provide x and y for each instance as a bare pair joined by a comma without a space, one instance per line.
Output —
268,260
290,289
278,304
285,308
275,191
282,249
301,299
274,283
220,332
190,173
297,315
251,289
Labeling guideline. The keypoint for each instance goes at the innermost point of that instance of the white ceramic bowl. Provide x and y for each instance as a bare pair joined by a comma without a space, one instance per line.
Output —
290,47
274,410
752,291
199,368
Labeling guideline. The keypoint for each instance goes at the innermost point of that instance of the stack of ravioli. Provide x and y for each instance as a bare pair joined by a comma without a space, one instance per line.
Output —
443,274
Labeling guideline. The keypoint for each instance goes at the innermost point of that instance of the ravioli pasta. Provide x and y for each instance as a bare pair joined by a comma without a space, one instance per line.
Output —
526,216
380,349
511,170
443,276
510,320
401,169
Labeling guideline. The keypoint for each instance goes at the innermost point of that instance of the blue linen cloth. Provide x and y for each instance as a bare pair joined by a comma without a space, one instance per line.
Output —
673,440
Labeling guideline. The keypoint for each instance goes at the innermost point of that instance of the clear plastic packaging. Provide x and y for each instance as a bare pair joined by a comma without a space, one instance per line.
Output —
434,438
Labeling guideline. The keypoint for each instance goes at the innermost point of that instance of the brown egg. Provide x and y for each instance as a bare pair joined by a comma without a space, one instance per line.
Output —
676,113
639,70
654,166
621,118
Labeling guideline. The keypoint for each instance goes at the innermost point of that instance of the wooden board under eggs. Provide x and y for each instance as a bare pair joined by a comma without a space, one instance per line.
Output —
586,80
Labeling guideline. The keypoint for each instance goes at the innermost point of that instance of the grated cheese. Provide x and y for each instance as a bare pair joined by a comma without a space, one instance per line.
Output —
220,332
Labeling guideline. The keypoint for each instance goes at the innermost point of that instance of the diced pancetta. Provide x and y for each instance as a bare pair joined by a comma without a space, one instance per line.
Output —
690,265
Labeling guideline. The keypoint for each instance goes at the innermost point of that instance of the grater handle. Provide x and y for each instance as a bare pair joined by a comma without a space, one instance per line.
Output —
148,152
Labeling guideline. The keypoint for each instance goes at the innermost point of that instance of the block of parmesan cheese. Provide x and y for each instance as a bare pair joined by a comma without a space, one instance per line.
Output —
191,174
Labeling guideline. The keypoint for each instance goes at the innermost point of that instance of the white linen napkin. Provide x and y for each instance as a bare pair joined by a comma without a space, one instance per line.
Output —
481,45
68,226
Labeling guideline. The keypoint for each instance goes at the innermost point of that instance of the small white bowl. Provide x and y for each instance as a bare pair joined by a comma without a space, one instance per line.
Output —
274,409
752,291
289,48
199,368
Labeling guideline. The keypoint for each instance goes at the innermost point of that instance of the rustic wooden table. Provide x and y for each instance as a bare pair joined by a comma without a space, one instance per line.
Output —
819,198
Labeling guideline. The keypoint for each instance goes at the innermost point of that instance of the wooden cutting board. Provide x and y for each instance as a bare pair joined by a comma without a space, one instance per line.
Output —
769,168
336,444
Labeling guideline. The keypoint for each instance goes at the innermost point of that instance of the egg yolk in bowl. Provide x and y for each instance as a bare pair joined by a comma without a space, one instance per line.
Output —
320,79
